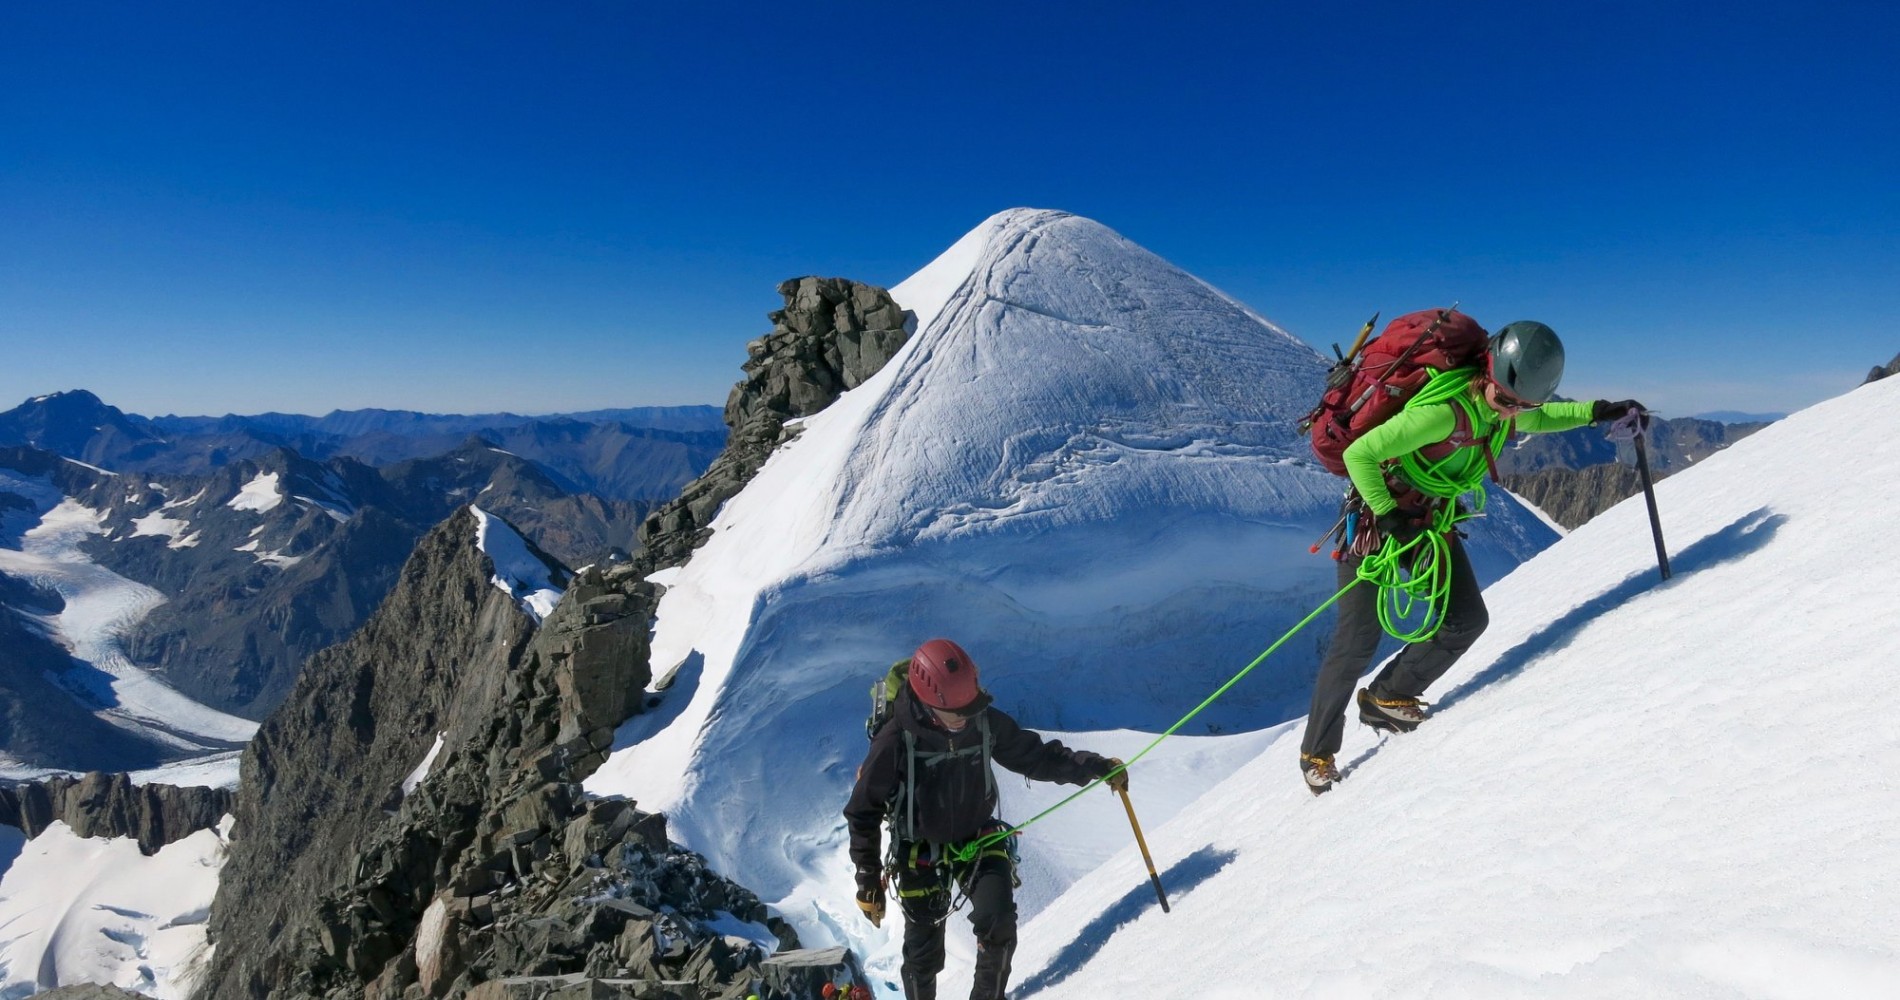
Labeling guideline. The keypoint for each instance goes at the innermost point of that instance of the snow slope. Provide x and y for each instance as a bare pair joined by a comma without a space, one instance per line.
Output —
1084,467
79,910
1631,788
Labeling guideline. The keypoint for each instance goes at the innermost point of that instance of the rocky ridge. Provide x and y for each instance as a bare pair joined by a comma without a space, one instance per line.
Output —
110,805
1572,496
493,876
1879,372
1575,475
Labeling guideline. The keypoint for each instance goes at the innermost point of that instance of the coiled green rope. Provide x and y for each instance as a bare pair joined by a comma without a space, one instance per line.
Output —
1415,581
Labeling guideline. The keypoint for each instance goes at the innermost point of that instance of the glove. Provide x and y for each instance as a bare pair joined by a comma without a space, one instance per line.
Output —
1117,781
871,897
1402,523
1603,409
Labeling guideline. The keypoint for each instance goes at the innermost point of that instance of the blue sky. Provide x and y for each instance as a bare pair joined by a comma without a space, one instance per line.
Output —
222,207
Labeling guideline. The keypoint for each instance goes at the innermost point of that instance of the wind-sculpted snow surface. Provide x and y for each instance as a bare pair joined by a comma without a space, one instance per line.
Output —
1083,467
1631,787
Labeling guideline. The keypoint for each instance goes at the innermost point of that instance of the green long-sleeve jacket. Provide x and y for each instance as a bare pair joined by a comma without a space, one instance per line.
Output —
1422,426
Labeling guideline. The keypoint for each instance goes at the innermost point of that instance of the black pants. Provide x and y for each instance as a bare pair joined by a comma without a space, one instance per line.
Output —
989,882
1356,641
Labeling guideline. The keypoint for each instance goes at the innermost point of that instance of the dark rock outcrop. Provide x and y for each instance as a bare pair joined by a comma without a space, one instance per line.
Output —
110,805
1878,372
89,991
495,866
1573,496
1676,443
832,335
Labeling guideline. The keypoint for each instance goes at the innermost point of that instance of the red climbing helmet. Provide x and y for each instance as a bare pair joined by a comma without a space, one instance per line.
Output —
943,676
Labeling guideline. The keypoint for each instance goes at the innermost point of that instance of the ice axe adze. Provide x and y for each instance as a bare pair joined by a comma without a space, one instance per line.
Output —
1153,876
1632,426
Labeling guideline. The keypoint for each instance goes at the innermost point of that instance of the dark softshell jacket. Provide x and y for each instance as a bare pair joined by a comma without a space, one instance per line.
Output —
956,793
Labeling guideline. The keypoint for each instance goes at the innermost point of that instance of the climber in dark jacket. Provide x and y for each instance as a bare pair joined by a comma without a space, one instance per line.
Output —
928,772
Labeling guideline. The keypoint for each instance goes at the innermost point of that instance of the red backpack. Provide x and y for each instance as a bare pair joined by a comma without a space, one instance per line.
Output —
1368,387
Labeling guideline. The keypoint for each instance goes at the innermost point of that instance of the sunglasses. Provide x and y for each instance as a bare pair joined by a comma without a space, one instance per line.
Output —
1508,401
970,711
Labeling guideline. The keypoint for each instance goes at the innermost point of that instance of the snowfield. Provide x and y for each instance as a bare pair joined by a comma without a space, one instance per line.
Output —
261,494
95,910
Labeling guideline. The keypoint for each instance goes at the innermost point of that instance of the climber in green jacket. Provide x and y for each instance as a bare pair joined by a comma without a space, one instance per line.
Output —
1404,471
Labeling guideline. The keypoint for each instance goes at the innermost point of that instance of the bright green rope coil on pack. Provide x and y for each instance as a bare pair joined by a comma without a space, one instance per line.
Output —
1410,577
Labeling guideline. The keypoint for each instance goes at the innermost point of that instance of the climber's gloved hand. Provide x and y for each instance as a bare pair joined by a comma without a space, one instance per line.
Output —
871,896
1402,524
1627,418
1603,409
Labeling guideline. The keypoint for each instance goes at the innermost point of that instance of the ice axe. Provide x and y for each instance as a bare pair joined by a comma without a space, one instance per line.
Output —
1153,876
1632,426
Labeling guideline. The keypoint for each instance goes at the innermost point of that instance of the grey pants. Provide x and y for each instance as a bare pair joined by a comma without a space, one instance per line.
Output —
1356,641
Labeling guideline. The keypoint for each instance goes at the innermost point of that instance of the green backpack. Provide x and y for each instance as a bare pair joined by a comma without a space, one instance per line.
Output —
884,696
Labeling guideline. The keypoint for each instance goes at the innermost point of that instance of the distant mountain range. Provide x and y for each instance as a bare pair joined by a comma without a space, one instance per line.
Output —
1738,417
640,455
263,539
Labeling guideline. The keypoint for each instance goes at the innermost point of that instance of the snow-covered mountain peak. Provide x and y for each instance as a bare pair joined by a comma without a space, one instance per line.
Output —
1057,371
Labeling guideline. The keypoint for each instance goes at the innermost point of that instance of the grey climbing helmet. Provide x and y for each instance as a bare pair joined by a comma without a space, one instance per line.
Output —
1527,360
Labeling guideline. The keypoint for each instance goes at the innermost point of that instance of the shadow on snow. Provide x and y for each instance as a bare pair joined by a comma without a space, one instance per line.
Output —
1747,535
1743,538
671,696
1177,880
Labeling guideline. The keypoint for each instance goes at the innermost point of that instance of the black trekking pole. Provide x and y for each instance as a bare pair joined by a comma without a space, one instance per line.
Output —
1634,425
1153,876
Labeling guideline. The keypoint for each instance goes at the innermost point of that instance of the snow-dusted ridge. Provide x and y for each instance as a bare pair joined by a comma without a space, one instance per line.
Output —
518,571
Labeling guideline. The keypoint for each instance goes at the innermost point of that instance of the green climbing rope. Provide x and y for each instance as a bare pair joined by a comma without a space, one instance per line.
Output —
968,852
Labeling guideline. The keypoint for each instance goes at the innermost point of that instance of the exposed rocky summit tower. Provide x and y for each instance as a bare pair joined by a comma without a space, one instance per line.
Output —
832,335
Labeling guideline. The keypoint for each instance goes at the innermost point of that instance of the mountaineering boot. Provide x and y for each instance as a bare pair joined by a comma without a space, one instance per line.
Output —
1396,715
1319,772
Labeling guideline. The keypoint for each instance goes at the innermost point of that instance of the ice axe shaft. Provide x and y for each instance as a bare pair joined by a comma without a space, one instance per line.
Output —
1142,843
1649,497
